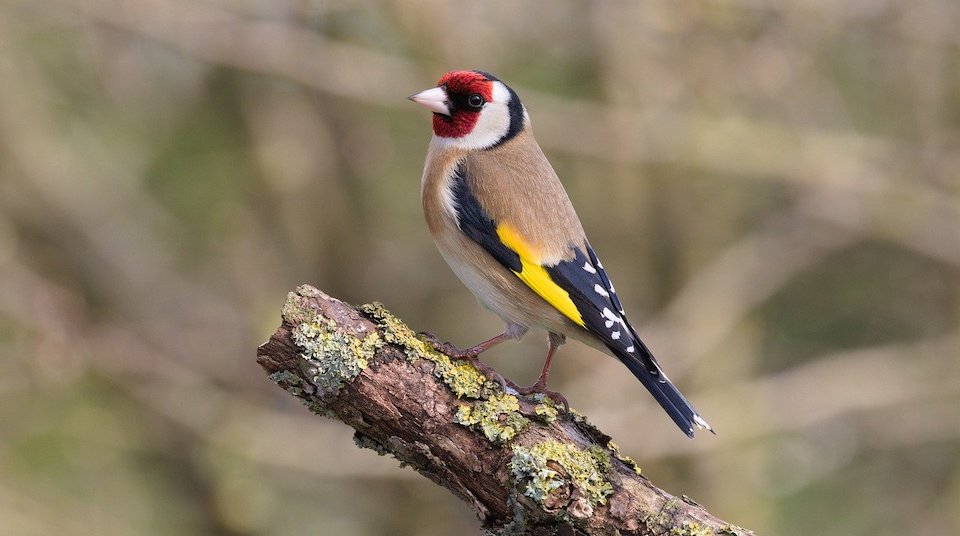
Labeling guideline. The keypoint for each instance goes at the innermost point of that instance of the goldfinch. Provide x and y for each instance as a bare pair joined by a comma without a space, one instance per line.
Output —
503,222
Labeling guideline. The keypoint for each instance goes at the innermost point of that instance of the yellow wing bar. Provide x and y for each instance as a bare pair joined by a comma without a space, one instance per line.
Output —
535,276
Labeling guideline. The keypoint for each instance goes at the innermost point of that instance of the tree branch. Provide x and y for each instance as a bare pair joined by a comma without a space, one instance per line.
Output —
521,465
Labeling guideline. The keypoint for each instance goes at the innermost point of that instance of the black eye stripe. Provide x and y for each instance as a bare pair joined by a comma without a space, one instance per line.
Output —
466,101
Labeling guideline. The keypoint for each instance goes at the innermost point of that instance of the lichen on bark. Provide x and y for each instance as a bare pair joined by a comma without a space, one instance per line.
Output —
562,477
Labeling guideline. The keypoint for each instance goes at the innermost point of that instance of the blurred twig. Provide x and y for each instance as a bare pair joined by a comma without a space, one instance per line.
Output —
278,47
846,162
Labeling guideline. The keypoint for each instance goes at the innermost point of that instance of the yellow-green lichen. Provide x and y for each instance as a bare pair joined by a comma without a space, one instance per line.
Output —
297,309
547,411
691,529
665,522
460,376
498,417
547,468
627,460
331,356
732,530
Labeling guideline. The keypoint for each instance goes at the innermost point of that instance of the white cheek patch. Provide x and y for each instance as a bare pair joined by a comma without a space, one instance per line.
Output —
492,125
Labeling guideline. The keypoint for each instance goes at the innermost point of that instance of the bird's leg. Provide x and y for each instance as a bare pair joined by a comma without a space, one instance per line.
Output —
466,353
556,340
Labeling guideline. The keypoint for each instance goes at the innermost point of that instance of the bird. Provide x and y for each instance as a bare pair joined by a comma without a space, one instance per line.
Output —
503,222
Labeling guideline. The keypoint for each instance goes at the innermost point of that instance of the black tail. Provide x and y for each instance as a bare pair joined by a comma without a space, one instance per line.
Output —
646,370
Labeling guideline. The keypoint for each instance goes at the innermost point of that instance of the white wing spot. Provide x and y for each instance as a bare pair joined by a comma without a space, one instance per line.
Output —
599,290
611,318
615,335
630,348
588,268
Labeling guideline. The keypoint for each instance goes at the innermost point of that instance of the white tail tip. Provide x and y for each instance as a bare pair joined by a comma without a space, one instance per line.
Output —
702,424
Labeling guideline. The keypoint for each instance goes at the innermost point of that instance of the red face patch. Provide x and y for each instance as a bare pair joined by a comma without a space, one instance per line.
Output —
459,85
466,82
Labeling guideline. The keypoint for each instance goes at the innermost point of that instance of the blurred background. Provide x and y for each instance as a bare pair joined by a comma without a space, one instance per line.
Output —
774,187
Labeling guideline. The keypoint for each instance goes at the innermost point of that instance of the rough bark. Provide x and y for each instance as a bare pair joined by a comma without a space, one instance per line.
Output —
523,467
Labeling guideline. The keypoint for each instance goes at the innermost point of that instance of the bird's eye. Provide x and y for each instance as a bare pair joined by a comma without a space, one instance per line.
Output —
475,100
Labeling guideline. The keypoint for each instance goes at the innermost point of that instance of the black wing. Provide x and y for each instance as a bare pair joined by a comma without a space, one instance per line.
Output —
590,288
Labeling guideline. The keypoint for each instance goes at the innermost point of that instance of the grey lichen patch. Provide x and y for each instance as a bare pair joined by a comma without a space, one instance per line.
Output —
498,417
663,520
367,442
332,356
627,460
308,291
290,382
671,506
285,378
316,407
559,475
460,376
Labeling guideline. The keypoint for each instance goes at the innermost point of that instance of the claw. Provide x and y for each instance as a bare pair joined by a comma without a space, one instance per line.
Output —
444,347
470,355
540,388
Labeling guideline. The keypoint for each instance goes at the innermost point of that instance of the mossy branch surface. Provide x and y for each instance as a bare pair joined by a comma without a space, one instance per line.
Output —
522,465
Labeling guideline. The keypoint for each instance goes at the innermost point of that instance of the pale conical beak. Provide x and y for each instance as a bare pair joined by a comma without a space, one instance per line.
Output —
434,98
